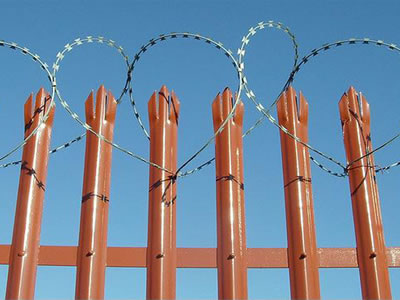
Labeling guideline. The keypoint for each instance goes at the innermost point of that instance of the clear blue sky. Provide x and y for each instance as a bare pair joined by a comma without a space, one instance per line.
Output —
197,72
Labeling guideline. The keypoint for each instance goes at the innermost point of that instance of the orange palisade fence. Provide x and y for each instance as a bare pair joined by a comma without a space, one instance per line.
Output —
232,258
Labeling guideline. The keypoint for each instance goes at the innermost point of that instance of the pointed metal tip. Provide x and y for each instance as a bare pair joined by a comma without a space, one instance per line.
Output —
91,94
101,88
217,98
164,91
227,93
89,98
42,90
173,95
29,100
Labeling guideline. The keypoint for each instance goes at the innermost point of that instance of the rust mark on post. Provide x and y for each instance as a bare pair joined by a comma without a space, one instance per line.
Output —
231,233
371,250
302,245
161,249
92,249
24,253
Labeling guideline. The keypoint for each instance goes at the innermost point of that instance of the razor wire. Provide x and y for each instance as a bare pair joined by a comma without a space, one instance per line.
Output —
218,45
36,58
315,52
228,53
266,112
243,85
56,67
101,40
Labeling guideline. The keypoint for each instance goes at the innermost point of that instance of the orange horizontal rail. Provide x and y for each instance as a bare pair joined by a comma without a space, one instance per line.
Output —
135,257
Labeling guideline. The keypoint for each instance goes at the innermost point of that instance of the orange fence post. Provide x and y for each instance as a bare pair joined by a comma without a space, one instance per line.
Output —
161,244
92,249
231,233
24,253
302,246
371,250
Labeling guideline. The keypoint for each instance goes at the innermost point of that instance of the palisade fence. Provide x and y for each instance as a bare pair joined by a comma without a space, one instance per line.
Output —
232,258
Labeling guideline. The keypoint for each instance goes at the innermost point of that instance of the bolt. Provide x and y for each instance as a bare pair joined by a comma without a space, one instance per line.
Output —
231,256
303,256
21,253
90,253
373,255
160,255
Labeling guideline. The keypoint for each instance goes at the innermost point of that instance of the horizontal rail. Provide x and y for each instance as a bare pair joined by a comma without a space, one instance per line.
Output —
135,257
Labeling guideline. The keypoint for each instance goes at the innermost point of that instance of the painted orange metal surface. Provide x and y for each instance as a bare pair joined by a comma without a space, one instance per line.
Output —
371,251
25,246
92,249
302,245
135,257
161,243
231,257
231,232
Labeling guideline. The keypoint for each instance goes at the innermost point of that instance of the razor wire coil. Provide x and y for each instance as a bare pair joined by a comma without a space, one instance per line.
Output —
243,85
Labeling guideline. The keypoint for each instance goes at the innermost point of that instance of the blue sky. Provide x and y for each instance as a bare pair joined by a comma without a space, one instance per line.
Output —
197,72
